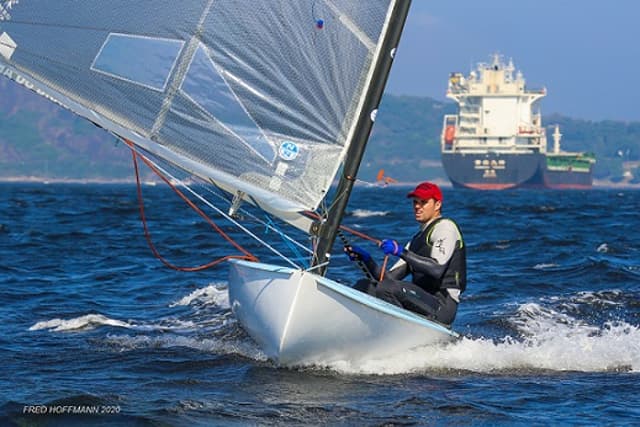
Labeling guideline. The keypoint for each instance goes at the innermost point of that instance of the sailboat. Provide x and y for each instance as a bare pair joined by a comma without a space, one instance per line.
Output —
266,101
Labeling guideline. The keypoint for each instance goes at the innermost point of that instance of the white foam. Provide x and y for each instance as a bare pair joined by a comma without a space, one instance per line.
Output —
589,297
544,339
549,341
244,347
214,294
92,321
544,266
364,213
88,321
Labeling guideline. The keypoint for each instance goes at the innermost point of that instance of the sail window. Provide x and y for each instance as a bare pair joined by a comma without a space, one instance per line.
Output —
145,61
206,86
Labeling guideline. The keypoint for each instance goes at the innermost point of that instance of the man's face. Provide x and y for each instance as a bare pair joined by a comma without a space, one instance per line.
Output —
425,210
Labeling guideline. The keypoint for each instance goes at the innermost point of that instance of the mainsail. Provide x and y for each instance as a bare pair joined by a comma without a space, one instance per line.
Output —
262,98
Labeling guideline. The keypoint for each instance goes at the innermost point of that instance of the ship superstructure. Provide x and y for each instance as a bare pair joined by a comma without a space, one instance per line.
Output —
497,140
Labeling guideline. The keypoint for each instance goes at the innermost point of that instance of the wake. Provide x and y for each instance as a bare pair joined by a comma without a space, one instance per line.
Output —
545,339
210,328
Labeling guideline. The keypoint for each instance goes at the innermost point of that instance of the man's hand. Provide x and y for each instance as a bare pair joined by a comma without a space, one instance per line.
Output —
356,253
391,247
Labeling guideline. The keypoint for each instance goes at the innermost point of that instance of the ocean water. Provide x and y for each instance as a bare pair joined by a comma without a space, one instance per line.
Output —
97,331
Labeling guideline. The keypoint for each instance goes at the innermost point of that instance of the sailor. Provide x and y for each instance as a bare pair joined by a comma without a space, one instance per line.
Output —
435,258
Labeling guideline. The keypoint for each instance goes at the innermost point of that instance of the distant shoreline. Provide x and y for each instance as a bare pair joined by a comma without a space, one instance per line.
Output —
40,180
597,184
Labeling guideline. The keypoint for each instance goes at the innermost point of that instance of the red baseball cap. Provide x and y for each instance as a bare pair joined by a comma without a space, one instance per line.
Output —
426,191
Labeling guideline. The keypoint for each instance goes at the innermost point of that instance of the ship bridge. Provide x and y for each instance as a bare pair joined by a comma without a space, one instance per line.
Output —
495,110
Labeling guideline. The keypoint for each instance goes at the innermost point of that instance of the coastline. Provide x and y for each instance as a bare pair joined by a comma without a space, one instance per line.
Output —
597,184
46,181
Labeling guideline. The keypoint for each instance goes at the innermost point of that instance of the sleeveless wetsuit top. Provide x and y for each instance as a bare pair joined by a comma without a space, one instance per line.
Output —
455,275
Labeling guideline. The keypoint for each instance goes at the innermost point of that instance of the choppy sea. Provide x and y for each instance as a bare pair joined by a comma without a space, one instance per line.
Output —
97,331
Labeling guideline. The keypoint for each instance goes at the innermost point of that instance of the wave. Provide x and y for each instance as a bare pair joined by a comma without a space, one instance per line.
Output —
545,266
223,335
88,321
612,270
552,334
545,340
232,344
214,294
92,321
611,348
364,213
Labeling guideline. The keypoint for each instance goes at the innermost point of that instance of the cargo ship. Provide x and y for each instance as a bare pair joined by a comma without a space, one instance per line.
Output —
497,141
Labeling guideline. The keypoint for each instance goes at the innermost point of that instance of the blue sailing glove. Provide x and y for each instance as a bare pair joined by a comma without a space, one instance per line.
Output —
391,247
356,253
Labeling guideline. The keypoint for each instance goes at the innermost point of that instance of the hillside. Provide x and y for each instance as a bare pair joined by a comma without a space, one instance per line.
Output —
40,140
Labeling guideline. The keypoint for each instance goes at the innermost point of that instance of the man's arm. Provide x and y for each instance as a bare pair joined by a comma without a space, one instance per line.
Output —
443,240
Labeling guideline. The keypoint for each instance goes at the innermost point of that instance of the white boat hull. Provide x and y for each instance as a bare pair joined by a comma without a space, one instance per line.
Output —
298,317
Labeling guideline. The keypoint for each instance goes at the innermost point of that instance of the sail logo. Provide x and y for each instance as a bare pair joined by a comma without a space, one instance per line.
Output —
288,150
5,7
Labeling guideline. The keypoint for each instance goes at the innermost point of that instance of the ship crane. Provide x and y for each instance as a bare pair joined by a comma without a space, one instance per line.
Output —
556,140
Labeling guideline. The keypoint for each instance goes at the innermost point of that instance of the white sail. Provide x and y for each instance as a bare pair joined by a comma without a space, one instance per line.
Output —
264,98
259,96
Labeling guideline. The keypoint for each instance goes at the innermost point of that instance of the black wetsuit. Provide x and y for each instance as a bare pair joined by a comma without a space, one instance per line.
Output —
435,283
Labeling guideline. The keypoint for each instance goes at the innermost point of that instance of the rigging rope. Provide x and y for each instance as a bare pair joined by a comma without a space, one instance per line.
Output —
360,263
362,236
247,255
230,219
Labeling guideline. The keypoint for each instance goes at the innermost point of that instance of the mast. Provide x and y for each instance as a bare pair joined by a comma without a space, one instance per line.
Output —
328,230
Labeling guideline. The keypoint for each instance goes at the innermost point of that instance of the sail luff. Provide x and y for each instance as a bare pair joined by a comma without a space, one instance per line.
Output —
363,126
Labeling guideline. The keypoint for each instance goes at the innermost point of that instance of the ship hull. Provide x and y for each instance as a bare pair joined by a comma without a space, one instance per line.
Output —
569,171
496,171
492,171
568,180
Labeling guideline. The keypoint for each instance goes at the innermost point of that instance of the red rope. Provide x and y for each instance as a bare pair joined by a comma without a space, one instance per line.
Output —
247,255
384,266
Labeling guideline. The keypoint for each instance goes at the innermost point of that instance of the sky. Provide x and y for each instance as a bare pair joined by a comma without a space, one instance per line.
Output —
586,53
